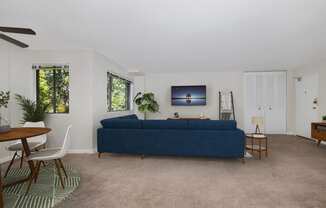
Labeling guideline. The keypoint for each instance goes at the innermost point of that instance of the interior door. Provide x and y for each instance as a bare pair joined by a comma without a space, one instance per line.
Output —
306,110
275,102
265,96
250,100
254,99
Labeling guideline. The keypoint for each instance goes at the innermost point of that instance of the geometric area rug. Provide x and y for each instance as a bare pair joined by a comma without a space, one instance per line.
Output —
45,193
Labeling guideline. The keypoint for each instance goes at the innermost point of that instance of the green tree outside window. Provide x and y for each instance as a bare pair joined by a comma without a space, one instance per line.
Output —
52,85
118,93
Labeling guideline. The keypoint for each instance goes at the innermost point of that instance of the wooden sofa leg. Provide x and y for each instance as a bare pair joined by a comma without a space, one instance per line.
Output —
142,157
99,154
243,160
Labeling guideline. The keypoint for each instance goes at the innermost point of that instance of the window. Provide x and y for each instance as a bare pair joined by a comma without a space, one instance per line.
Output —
52,87
118,93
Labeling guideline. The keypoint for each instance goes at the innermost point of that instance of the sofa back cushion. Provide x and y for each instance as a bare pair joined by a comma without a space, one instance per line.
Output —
121,123
132,116
212,125
165,124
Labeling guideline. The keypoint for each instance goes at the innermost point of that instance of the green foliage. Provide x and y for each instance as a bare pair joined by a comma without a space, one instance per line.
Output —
324,118
118,94
33,111
146,103
54,89
4,98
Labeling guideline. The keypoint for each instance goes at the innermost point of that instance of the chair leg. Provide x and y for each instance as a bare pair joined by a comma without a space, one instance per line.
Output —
37,171
22,159
10,164
31,178
59,173
63,167
43,163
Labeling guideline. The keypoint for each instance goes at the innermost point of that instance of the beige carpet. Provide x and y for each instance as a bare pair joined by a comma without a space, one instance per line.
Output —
293,176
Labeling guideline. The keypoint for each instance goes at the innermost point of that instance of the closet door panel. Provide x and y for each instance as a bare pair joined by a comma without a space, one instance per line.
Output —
250,91
265,96
275,105
281,106
260,94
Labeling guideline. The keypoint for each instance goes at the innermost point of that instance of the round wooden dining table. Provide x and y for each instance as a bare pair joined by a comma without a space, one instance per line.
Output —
22,134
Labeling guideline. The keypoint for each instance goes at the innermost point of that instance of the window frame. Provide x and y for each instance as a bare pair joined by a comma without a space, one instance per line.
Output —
52,68
110,77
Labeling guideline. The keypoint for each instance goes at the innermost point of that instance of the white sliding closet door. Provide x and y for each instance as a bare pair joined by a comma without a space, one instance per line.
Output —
250,98
253,91
265,96
275,102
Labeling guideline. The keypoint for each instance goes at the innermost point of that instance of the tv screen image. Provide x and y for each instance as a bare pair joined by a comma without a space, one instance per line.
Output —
188,95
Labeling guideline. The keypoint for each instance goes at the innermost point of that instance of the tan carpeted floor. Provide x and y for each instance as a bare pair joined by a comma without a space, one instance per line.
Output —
293,176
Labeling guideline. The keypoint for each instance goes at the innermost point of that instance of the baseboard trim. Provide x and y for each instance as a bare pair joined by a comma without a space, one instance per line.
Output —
5,159
81,151
310,139
307,138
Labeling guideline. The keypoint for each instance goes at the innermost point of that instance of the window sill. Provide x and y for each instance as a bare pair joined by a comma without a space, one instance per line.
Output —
119,112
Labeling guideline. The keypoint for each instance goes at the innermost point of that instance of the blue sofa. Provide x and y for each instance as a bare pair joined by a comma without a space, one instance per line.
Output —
206,138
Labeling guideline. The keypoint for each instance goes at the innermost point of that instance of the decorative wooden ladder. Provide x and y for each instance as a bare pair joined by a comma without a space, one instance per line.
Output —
226,106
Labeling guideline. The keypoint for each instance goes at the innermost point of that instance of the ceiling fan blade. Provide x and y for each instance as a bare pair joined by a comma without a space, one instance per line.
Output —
18,30
13,41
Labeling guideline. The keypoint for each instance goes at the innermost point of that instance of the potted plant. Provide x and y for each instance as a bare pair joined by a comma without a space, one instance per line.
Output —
32,111
4,100
146,103
324,118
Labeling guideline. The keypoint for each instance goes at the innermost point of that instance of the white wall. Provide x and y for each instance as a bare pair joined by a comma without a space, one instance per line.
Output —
160,84
5,51
319,69
87,91
100,66
23,82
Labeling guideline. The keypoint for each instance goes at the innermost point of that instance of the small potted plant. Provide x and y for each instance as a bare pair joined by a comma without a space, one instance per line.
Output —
324,118
146,103
4,100
32,111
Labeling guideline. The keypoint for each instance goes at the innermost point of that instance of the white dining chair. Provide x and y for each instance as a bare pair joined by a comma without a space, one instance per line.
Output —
55,154
34,144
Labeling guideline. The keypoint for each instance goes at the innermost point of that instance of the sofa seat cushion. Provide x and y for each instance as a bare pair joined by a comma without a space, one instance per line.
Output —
121,123
165,124
212,125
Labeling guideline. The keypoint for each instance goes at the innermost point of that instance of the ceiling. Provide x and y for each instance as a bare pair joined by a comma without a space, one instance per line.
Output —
178,35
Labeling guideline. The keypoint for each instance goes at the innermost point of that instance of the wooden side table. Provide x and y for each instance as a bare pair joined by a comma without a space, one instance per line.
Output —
318,131
258,143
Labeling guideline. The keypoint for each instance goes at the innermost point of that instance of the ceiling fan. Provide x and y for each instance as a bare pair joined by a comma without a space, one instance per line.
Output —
26,31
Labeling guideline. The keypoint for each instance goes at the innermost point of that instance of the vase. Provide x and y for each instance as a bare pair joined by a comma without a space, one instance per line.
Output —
4,124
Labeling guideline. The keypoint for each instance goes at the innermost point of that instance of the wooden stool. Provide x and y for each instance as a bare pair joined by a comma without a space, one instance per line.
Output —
254,147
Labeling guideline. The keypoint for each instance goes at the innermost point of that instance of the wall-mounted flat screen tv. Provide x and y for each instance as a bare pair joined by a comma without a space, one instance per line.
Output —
188,95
